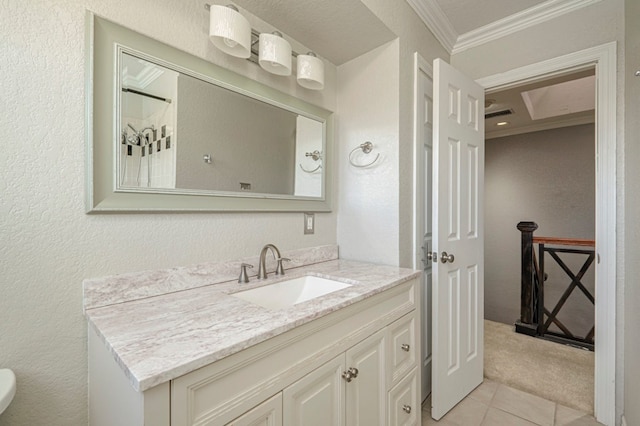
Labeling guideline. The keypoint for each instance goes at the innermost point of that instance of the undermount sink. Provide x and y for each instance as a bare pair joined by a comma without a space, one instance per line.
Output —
7,387
287,293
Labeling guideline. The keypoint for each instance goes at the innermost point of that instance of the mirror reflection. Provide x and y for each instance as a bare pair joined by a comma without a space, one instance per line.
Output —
179,133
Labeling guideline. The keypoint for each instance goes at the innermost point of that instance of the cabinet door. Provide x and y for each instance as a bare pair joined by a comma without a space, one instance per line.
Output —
269,413
404,402
317,399
366,393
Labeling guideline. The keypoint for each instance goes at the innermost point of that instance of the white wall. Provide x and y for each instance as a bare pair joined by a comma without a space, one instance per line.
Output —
632,207
368,197
593,25
547,177
413,36
48,244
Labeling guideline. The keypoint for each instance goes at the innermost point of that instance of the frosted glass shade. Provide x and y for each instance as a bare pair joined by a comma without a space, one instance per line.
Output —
229,31
310,72
275,54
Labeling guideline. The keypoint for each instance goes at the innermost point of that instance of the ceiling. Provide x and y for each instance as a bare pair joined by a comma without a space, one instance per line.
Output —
337,30
571,105
468,15
462,24
341,30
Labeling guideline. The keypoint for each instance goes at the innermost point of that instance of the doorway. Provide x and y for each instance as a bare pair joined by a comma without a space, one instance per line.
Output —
604,59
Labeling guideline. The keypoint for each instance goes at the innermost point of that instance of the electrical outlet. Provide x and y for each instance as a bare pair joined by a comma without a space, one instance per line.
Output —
309,223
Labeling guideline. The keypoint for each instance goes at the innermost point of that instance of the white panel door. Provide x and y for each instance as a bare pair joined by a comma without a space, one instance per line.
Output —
458,237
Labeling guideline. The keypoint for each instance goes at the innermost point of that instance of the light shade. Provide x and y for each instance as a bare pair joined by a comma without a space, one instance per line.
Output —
229,31
275,54
310,71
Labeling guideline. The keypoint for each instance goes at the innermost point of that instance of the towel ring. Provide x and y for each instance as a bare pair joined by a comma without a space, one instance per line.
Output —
366,147
310,171
315,156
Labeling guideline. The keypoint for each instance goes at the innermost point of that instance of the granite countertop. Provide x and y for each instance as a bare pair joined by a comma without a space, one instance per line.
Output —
159,338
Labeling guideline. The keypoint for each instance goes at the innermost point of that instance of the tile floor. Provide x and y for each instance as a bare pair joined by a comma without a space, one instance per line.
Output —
494,404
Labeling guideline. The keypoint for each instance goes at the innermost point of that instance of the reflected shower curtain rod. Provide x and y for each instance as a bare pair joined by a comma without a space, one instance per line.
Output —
137,92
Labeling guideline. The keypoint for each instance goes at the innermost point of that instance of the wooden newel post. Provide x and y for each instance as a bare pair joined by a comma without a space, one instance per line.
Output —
526,295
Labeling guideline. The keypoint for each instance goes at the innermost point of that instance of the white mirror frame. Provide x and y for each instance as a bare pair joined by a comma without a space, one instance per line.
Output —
105,40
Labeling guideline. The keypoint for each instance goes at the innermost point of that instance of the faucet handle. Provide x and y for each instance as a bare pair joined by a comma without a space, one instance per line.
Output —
280,268
244,278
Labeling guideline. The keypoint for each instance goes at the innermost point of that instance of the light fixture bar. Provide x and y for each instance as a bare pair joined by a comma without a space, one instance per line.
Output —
310,68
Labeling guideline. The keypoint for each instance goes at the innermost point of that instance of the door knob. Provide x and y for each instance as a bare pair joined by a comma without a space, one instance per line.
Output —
432,256
444,257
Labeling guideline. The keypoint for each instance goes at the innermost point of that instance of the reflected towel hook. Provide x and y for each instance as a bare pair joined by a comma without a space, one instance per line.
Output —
315,155
366,148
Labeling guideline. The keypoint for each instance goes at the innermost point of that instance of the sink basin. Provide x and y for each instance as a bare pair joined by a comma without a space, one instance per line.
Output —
7,388
285,294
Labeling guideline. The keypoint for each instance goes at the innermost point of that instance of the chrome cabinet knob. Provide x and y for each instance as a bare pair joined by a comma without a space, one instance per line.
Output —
444,257
405,347
406,408
350,374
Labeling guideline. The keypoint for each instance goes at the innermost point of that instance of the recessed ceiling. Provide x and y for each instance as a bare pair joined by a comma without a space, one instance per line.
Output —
552,110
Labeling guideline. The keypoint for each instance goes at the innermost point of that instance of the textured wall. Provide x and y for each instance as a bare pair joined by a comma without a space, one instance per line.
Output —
414,36
546,177
48,244
368,197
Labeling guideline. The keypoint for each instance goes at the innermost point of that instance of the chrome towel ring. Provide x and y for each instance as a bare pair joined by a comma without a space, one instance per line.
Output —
315,156
366,148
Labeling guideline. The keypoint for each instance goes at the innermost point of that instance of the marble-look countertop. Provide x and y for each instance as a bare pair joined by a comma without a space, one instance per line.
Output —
162,337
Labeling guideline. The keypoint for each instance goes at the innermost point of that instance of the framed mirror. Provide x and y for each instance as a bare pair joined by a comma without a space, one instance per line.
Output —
168,131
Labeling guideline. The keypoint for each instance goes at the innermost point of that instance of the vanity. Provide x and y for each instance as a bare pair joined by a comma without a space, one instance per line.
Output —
176,347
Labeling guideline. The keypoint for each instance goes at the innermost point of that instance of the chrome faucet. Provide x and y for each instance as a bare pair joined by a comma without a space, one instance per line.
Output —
262,265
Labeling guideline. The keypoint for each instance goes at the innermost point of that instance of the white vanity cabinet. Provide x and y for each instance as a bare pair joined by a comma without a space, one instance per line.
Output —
355,366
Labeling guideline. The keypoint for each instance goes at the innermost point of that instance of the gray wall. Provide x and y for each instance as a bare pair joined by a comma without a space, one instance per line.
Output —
547,177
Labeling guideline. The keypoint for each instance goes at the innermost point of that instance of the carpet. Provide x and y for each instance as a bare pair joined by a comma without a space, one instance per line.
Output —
553,371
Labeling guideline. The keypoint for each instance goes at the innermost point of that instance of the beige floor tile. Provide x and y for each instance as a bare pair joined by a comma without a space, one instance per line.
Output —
468,412
484,393
530,407
497,417
566,416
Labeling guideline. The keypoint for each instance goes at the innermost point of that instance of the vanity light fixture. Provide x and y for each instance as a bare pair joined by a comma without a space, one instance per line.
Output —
230,32
275,53
310,71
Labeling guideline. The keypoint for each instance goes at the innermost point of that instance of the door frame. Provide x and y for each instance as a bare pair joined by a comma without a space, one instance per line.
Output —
419,65
603,57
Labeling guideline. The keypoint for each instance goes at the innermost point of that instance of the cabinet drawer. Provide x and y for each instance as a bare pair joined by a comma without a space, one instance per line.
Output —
269,413
404,404
402,348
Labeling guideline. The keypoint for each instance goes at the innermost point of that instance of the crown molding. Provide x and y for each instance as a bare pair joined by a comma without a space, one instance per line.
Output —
436,21
527,18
